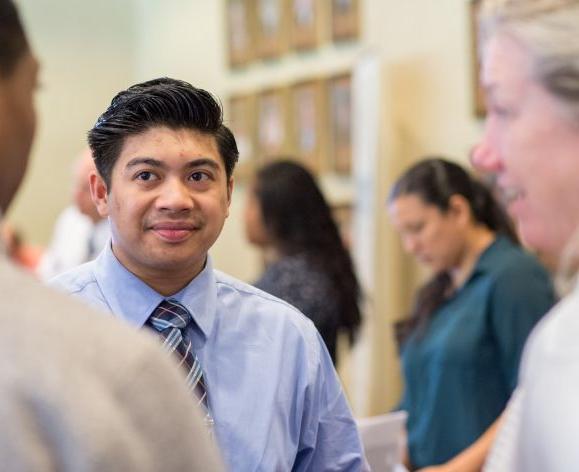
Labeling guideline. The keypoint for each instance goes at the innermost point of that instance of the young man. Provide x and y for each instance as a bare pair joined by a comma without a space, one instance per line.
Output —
165,163
76,392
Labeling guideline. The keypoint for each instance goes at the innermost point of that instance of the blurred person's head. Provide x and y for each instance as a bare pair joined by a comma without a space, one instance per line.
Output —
18,80
81,185
286,209
164,180
530,72
163,102
438,209
287,212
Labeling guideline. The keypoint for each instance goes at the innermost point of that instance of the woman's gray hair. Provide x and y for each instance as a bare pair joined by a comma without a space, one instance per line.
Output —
549,30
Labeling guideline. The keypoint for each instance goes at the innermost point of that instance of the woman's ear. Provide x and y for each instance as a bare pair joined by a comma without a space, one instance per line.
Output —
460,209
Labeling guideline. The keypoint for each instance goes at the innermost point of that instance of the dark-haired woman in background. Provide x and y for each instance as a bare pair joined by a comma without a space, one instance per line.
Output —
307,263
465,335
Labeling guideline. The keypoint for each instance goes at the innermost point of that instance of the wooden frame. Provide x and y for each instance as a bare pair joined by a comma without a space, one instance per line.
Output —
272,124
305,24
308,119
271,26
240,32
241,119
345,19
479,106
340,123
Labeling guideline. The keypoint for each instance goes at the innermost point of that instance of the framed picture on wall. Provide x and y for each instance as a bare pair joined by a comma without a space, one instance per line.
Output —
477,90
343,215
307,125
340,123
345,19
240,32
272,124
241,120
271,19
304,24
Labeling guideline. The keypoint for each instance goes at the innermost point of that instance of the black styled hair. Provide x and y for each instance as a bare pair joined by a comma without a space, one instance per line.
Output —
159,102
435,180
13,43
299,221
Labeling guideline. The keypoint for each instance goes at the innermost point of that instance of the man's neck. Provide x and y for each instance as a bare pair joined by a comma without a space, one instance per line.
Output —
166,281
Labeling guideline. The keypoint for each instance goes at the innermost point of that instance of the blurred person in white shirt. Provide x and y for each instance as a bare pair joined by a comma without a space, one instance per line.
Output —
80,233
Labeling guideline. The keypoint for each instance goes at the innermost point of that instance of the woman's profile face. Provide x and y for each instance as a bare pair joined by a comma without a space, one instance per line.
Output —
434,237
531,142
255,230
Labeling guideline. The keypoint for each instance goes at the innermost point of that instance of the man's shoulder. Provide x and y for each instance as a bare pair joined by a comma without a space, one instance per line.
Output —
45,307
91,366
263,304
75,280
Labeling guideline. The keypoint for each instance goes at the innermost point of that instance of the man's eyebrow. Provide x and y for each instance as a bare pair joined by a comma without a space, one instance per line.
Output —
144,160
202,161
149,161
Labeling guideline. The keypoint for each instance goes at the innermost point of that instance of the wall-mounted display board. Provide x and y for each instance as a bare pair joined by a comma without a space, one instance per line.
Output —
272,124
305,26
241,119
240,32
340,123
308,120
269,29
345,19
271,20
308,124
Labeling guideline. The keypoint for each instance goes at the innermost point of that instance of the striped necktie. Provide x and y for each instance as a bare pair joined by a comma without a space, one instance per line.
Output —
170,319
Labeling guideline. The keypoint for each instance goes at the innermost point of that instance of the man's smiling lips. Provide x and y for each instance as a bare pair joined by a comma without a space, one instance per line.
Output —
174,232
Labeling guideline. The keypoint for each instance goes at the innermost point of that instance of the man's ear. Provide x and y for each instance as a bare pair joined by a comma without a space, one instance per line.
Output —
99,193
229,194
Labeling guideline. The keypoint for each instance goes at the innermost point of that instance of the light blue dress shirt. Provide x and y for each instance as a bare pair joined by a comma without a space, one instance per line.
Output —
273,392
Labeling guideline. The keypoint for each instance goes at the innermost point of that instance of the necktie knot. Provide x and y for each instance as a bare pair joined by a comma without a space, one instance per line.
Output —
170,319
170,314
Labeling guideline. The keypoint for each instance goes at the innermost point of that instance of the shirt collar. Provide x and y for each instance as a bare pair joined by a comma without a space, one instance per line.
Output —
133,300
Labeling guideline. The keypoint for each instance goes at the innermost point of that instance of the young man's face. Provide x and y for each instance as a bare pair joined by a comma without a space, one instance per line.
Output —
168,201
17,125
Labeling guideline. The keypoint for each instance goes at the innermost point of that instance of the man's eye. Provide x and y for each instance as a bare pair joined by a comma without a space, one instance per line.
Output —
145,176
199,176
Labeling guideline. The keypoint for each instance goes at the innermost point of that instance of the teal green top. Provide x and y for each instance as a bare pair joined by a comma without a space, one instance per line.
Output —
462,368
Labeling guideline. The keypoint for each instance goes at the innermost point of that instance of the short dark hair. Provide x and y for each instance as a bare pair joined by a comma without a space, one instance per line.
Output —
13,43
158,102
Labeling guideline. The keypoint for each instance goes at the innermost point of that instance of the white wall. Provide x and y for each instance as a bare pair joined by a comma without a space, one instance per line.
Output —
87,51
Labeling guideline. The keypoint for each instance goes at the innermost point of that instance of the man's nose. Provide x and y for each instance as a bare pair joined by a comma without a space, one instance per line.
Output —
174,196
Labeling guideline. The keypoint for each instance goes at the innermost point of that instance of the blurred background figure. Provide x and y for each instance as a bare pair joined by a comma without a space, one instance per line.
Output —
463,340
79,233
21,253
307,264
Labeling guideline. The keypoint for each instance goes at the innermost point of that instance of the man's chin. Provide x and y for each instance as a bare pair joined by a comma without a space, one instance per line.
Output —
177,264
